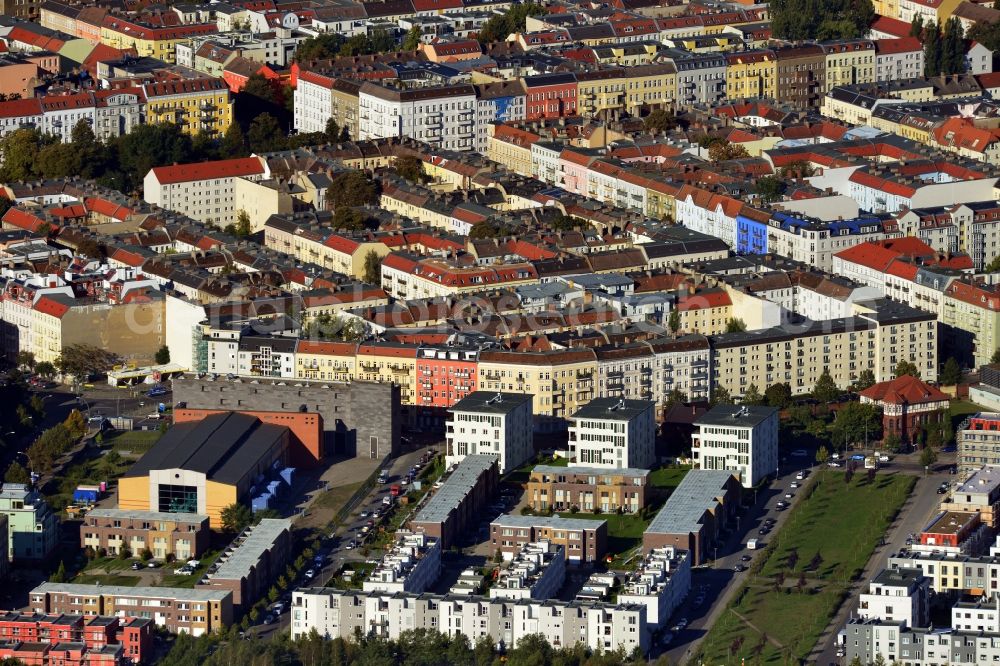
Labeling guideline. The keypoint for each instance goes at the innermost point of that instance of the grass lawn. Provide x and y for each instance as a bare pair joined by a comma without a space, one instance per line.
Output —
335,497
959,409
102,579
668,477
136,442
840,522
169,579
794,620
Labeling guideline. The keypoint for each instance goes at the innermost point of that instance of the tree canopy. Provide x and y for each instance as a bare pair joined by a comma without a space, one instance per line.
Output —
821,19
499,27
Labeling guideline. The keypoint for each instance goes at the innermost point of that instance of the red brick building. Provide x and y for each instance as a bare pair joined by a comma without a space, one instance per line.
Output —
550,96
74,640
908,405
306,427
445,375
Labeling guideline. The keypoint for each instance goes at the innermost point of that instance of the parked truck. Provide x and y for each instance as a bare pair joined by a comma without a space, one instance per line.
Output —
86,494
752,544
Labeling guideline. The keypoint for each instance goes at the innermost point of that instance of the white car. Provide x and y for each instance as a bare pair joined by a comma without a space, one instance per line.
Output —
184,571
794,485
833,463
800,476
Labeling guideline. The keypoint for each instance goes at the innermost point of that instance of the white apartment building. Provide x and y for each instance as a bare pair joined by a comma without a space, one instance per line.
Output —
741,439
202,191
337,613
487,422
537,572
313,102
897,595
412,565
661,582
897,59
441,116
613,433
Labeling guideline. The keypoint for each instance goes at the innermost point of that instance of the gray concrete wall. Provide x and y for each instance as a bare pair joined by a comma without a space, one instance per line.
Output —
353,414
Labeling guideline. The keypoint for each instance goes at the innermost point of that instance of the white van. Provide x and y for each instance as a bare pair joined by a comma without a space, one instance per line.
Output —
752,544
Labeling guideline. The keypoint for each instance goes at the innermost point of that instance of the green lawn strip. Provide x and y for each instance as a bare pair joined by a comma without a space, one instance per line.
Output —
959,409
795,620
668,477
840,522
624,530
136,442
335,497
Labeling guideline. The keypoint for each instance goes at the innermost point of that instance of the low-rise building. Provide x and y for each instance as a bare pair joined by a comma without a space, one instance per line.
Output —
176,609
412,565
485,422
584,540
32,527
614,433
739,439
587,488
334,613
253,561
978,440
908,405
457,504
183,535
952,533
661,582
695,513
104,639
538,571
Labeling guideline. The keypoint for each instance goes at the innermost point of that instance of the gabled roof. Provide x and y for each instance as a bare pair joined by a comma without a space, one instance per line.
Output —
187,173
905,390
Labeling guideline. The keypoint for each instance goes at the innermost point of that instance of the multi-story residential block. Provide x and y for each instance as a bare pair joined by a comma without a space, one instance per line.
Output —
739,439
457,504
122,33
660,582
202,191
497,102
587,488
258,556
897,59
897,595
584,540
176,609
183,535
849,62
32,527
537,571
800,74
614,433
491,423
695,513
973,312
52,640
443,116
978,494
978,440
412,565
334,613
199,106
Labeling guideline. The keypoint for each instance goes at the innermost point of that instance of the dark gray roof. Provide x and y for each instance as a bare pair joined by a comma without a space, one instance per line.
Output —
613,408
737,416
491,402
222,446
697,493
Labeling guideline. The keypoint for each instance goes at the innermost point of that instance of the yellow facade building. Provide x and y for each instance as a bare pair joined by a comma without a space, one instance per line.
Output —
197,105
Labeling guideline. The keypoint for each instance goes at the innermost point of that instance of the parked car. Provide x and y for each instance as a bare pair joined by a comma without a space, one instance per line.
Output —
745,558
800,476
152,564
184,571
136,566
309,574
799,453
789,495
833,463
739,568
794,485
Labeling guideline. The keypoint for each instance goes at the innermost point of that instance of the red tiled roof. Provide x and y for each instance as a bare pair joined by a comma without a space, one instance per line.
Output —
49,306
186,173
905,390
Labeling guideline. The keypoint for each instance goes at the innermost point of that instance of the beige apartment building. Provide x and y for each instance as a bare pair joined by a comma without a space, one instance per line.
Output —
183,535
587,488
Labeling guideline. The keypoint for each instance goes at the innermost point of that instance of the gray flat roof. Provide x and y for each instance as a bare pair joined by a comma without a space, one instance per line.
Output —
554,522
902,577
687,505
595,471
615,409
247,555
491,402
736,416
148,515
195,594
455,489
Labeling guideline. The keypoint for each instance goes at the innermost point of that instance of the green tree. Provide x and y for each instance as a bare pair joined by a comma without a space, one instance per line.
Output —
674,321
332,130
928,456
25,360
996,357
412,40
373,268
770,188
234,143
735,325
482,653
917,26
59,160
953,47
75,424
832,19
721,396
498,28
321,47
822,453
865,380
484,229
60,574
411,168
145,147
352,188
235,517
951,373
271,91
531,650
16,473
891,442
660,120
722,151
162,355
826,390
242,226
348,219
905,367
81,360
752,396
933,50
778,395
856,423
265,135
675,397
46,370
20,151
